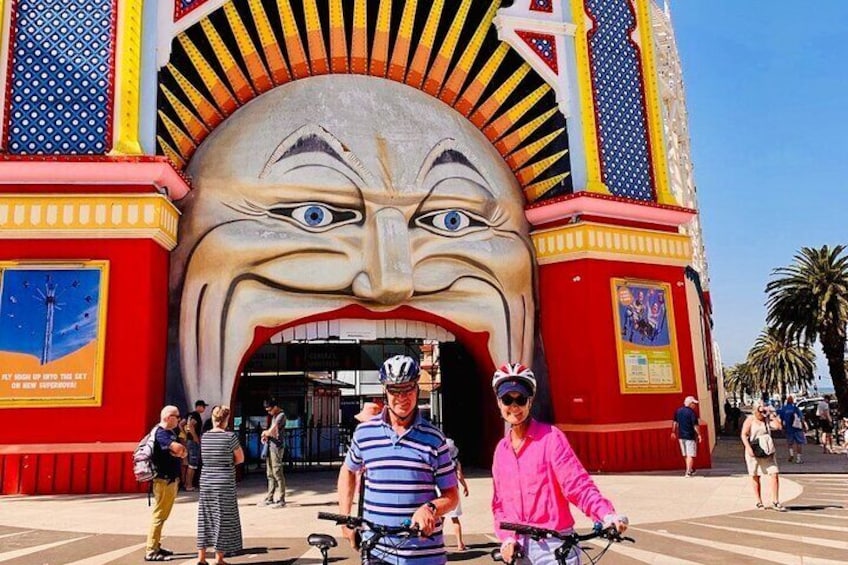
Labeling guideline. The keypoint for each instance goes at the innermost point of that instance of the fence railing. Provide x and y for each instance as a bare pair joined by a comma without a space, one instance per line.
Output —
307,446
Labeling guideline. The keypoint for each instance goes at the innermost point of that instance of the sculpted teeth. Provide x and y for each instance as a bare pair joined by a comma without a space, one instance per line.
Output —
352,329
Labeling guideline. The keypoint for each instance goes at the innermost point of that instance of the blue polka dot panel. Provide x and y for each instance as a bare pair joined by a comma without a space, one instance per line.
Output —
59,95
619,100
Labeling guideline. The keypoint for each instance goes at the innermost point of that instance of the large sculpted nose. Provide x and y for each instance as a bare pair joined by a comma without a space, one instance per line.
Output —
386,277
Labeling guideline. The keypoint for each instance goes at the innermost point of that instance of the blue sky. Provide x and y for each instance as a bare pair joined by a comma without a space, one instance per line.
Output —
767,96
23,310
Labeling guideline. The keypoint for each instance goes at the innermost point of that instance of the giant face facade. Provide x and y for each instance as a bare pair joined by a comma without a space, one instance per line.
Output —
347,194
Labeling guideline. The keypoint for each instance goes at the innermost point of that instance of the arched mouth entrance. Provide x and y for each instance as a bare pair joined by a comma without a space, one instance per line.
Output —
323,371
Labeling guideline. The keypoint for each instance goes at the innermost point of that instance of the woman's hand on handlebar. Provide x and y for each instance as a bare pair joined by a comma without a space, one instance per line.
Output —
618,521
508,549
425,519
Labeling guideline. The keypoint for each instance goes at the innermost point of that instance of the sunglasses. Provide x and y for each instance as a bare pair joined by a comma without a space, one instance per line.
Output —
518,400
401,391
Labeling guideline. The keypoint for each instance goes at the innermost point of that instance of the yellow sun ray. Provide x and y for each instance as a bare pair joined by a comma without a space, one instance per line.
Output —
338,42
537,190
458,76
518,158
238,82
487,109
276,63
466,103
436,76
205,109
380,49
359,39
256,70
403,41
509,142
415,76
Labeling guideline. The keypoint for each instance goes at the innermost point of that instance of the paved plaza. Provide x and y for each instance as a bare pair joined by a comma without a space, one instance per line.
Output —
709,518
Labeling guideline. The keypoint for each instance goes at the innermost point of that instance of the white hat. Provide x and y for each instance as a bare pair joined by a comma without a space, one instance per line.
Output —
689,400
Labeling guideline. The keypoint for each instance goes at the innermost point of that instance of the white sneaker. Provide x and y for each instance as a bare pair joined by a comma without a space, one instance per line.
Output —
798,458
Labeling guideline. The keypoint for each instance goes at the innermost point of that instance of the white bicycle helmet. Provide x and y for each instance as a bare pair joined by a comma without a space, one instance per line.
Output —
514,372
398,370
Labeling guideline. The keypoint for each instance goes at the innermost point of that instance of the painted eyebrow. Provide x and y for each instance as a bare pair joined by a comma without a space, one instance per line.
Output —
315,139
447,152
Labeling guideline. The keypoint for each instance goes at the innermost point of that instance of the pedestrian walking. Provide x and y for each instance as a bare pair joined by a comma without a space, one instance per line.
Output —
757,431
218,521
794,427
167,455
825,424
274,437
686,430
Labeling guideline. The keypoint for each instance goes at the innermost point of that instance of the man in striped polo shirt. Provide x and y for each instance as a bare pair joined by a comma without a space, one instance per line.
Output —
410,474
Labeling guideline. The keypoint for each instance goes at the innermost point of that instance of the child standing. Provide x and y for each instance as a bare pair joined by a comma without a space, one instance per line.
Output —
457,512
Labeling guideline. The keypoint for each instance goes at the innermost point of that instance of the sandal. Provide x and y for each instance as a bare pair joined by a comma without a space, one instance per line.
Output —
155,556
760,506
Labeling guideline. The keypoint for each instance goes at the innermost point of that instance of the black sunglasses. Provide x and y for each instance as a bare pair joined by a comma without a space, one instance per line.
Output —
519,400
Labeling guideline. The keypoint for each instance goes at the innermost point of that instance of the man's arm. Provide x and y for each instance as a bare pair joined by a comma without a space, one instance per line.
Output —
345,487
427,514
177,449
674,429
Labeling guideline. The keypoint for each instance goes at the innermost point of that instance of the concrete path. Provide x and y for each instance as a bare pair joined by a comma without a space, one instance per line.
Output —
708,514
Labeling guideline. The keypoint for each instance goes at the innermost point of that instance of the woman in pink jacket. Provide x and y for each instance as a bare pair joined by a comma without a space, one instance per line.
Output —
537,475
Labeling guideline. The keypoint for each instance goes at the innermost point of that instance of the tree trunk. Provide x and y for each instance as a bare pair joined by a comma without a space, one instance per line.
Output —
834,349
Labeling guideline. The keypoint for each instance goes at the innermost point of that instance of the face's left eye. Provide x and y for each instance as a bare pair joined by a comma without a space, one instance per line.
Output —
450,222
315,216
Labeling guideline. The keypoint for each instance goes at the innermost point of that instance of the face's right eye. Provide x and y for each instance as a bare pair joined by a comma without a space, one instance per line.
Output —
316,216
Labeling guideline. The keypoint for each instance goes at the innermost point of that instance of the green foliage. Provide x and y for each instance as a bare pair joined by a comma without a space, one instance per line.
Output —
780,364
808,301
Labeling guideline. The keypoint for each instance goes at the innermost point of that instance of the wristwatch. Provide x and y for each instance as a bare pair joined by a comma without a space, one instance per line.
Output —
429,504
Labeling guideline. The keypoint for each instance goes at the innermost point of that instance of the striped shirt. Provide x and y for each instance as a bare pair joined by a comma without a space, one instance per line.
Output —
402,473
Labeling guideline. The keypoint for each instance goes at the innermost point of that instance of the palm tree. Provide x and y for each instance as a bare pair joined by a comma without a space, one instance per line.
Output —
809,300
738,380
781,363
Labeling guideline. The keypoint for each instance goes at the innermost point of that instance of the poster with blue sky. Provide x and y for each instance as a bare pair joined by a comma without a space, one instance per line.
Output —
51,324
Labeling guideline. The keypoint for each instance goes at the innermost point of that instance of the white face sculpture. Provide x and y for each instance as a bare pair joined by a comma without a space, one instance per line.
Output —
348,192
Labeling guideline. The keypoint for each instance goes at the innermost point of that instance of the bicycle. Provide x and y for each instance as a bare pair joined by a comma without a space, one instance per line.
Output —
570,540
379,531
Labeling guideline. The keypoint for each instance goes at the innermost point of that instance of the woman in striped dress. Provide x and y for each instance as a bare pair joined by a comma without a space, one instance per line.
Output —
218,523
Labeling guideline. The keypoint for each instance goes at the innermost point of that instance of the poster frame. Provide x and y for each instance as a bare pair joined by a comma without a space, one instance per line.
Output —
626,387
95,399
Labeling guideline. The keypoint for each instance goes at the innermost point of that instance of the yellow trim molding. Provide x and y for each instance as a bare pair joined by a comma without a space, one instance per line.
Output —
81,216
594,181
614,243
127,79
653,102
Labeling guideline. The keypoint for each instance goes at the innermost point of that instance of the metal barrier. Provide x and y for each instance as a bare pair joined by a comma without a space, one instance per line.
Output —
306,447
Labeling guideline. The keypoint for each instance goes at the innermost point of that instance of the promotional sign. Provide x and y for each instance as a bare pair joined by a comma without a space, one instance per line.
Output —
52,329
644,322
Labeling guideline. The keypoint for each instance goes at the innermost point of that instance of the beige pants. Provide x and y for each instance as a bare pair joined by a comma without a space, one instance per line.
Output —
164,495
274,474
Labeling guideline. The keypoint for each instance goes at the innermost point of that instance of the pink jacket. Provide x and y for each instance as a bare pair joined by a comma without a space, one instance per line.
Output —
536,485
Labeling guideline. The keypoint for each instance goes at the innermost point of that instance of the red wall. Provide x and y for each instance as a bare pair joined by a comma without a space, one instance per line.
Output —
608,430
136,334
578,331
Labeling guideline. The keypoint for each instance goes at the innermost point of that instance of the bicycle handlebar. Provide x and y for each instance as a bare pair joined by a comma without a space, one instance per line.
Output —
358,523
598,531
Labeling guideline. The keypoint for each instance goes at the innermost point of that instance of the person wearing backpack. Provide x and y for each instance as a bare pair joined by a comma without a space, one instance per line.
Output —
167,462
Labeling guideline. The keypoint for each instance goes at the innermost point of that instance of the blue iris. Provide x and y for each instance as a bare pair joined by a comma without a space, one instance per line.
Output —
453,220
314,216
